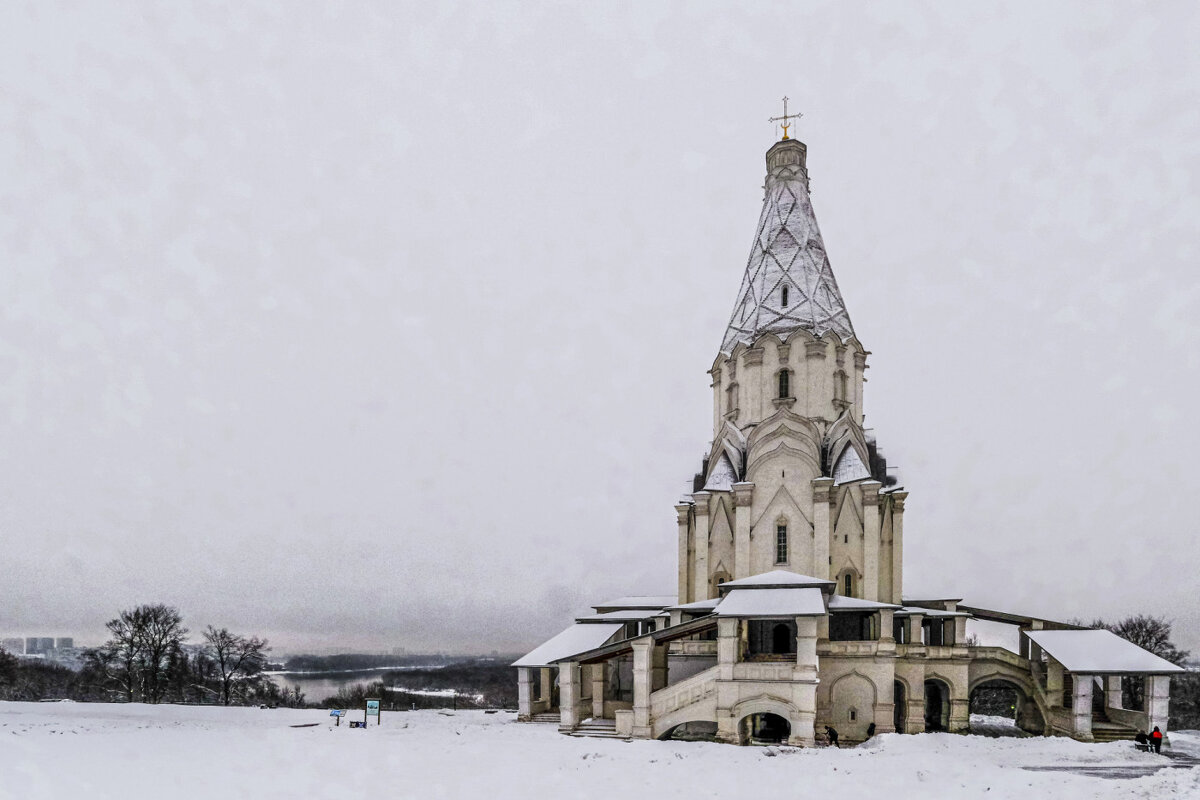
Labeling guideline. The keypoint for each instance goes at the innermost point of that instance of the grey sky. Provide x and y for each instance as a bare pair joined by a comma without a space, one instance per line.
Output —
388,325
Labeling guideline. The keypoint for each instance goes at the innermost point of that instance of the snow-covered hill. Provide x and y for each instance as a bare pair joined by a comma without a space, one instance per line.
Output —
64,750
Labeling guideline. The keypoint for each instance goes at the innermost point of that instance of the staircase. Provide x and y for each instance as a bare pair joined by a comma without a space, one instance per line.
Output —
597,729
1105,731
552,717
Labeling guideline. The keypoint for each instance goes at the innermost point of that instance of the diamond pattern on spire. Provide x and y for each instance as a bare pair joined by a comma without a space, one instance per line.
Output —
787,263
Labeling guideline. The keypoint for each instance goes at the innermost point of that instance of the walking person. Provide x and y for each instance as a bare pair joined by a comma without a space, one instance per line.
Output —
1156,739
833,736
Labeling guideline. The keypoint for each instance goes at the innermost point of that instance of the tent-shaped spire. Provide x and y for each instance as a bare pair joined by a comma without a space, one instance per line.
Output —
788,284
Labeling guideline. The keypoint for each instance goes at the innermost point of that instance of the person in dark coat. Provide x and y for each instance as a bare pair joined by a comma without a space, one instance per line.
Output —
833,736
870,730
1143,742
1156,739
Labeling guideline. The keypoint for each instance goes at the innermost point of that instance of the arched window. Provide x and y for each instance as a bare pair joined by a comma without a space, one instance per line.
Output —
782,639
781,543
848,585
785,383
840,386
783,296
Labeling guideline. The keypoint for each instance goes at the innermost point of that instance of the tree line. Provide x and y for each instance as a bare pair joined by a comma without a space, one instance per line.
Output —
147,659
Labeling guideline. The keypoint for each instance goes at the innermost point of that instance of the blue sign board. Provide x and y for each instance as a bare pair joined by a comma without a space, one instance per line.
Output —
337,712
373,708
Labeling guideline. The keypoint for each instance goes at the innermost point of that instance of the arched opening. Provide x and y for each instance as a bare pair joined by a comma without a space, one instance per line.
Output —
937,706
764,729
1002,708
900,712
785,383
692,732
783,296
781,639
781,542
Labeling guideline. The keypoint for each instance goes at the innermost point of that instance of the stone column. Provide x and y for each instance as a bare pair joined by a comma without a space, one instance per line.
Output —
715,373
1054,684
960,631
915,634
914,720
870,495
806,648
658,667
524,704
598,685
569,688
743,494
1157,701
822,490
898,547
641,688
1081,706
546,686
727,646
683,514
700,582
1112,691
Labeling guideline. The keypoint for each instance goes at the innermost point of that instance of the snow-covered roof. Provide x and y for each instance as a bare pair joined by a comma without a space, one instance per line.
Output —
788,256
654,601
929,612
850,467
777,578
839,603
1099,651
803,601
623,615
576,639
699,605
722,477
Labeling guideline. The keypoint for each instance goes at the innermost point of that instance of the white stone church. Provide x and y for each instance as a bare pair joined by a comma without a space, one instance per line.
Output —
790,613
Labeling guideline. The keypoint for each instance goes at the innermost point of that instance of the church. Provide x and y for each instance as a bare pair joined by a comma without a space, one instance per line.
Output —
790,615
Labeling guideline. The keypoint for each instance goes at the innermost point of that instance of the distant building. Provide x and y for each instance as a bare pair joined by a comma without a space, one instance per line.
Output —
31,646
64,643
15,646
45,644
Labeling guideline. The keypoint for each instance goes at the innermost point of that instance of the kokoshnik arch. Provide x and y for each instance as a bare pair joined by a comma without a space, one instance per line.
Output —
790,612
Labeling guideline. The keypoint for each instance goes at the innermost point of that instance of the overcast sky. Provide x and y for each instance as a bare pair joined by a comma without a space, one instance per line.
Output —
387,325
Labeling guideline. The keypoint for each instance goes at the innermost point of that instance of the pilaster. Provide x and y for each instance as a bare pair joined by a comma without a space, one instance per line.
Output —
743,495
1054,683
822,493
806,648
870,495
727,646
683,515
898,499
818,398
700,582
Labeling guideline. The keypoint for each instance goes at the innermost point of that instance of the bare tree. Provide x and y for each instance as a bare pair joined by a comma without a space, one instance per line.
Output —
118,658
162,632
1149,633
234,655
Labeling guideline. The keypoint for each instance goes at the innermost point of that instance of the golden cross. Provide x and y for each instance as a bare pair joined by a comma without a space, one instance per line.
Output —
786,116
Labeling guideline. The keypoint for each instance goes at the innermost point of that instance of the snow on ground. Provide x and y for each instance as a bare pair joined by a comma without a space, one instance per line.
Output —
59,750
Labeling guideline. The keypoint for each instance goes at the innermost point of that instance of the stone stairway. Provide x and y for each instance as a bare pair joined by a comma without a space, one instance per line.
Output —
554,718
597,729
1105,731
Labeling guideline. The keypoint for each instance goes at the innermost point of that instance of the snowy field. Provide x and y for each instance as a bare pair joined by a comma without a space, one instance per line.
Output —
67,750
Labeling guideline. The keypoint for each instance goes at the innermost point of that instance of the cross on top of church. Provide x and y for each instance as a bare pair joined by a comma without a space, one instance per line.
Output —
786,116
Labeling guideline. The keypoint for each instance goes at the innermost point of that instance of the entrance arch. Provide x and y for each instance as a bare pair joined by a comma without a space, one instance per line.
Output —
764,728
937,706
999,696
900,712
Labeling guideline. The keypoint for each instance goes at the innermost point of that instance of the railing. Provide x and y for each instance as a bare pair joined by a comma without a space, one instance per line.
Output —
690,647
764,671
1002,655
684,693
828,648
